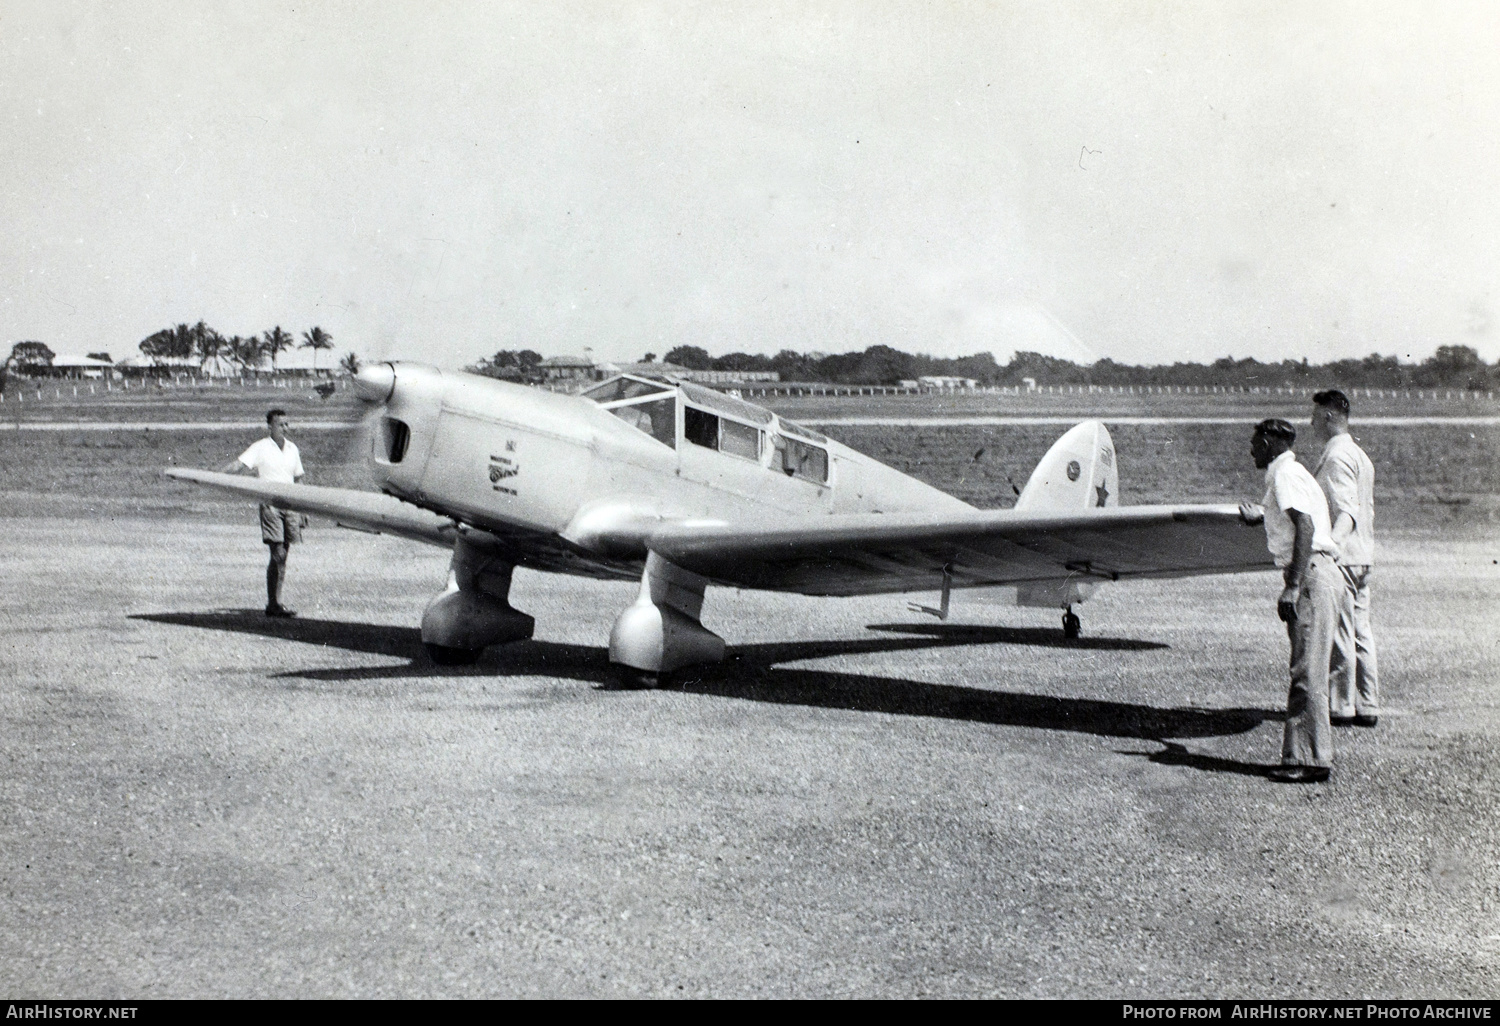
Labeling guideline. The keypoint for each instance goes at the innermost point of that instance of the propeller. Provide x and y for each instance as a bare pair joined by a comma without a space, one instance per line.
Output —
373,384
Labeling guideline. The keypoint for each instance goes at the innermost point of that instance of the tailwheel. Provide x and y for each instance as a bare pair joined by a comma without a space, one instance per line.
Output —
1072,626
446,655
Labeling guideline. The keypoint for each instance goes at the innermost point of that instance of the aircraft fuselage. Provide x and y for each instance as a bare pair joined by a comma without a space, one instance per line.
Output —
558,473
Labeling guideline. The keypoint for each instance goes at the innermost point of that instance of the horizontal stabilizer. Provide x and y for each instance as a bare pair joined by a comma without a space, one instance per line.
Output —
363,511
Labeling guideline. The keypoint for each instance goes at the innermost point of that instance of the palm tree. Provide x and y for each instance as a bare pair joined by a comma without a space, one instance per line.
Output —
350,363
207,343
315,340
275,342
244,351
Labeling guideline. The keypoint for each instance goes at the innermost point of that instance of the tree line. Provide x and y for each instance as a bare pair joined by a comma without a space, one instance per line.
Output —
248,352
1450,367
201,343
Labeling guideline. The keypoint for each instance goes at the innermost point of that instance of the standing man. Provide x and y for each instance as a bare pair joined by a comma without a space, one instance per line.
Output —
1348,480
274,459
1301,542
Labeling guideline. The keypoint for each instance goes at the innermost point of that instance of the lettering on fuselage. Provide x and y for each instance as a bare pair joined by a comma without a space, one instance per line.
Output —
502,468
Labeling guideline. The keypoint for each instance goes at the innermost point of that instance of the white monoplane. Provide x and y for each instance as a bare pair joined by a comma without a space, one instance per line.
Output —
680,487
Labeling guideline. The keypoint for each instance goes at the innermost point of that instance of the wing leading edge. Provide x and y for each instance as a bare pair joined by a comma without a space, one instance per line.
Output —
869,554
363,511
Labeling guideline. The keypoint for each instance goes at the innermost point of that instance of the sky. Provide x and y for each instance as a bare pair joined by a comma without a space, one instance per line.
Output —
1149,182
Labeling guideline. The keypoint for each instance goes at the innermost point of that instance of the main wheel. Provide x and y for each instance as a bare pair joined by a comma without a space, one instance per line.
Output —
445,655
1072,626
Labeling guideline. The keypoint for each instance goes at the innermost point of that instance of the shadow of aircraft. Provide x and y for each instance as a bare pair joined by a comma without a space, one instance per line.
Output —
577,662
752,674
979,634
864,693
374,638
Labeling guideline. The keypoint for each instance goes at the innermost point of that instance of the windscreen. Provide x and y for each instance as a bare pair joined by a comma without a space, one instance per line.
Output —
657,419
623,388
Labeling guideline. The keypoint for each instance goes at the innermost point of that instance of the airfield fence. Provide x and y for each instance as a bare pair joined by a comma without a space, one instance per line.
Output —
858,390
19,390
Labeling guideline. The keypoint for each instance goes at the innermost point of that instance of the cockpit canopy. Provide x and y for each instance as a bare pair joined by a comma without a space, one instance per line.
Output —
714,420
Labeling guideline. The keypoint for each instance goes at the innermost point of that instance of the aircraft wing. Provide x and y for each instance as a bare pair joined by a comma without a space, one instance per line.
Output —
866,554
363,511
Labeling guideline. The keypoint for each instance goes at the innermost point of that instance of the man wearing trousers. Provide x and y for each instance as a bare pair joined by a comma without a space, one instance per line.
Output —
1347,478
1298,534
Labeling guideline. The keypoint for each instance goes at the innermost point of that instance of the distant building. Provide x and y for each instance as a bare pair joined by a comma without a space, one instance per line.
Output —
942,381
571,371
562,370
672,370
609,368
298,363
292,364
71,365
718,377
143,366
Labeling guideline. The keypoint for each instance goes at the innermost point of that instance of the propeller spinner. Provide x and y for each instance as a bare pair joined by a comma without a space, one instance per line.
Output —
375,382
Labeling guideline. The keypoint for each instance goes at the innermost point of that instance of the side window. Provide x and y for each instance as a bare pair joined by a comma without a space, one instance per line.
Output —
657,419
700,428
739,439
797,458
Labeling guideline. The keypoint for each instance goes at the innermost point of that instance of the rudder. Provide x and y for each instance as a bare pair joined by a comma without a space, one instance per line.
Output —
1078,472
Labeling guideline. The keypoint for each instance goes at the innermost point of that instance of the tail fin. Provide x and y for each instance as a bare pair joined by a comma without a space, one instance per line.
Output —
1077,473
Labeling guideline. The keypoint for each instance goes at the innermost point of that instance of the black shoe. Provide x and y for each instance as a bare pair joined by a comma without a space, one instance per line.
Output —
1342,721
277,610
1296,774
1366,721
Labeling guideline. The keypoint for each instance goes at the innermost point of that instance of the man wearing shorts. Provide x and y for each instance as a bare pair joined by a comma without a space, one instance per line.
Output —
274,459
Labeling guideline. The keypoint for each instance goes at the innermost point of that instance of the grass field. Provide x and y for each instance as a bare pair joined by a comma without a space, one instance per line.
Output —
1428,476
236,402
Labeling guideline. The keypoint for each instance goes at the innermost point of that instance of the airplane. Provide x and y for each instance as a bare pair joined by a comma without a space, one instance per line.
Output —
679,486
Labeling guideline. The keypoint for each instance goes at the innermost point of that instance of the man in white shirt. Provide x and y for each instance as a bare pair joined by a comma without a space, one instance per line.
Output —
274,459
1301,542
1347,478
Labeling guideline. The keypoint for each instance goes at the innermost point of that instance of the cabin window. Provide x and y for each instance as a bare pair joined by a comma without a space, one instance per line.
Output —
657,419
739,440
726,404
714,432
700,428
797,458
397,438
805,432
